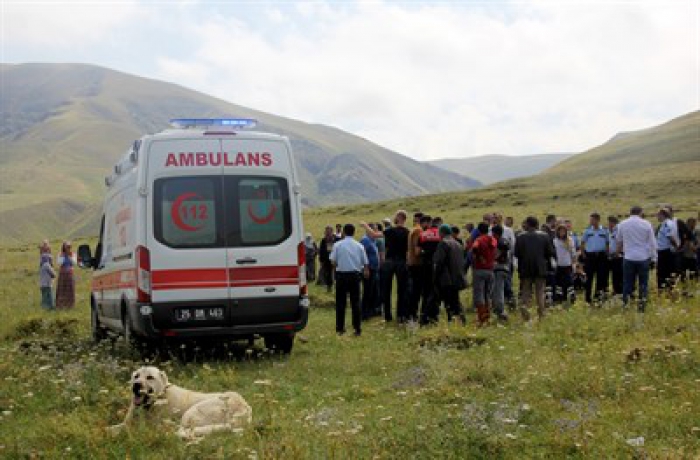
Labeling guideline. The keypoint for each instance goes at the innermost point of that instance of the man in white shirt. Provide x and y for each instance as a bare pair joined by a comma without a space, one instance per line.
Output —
637,243
350,261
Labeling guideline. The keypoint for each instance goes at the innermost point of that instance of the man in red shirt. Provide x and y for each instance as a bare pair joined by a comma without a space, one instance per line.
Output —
484,261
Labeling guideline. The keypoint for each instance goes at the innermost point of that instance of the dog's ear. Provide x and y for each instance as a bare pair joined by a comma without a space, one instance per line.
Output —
164,377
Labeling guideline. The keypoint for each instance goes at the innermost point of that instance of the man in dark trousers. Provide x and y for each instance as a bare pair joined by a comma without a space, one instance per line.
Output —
533,250
595,244
449,273
415,267
429,240
351,263
614,259
396,241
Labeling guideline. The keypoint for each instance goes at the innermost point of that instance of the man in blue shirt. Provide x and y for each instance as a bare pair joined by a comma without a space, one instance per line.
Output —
350,261
595,242
666,244
614,259
370,284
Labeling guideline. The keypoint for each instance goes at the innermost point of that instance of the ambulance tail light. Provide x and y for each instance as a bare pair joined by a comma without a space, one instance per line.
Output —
301,257
143,274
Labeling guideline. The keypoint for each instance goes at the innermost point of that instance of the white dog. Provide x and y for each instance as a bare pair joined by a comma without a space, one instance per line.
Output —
201,413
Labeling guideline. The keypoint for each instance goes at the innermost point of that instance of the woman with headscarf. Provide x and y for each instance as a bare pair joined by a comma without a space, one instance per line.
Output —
46,276
566,255
65,288
311,253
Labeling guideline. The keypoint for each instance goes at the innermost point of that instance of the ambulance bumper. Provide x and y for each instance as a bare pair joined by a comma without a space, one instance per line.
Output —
155,321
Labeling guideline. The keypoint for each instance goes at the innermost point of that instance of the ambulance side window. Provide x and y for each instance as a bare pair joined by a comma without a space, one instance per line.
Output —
259,214
186,211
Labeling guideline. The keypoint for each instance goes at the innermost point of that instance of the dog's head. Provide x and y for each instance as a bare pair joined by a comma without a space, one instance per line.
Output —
147,384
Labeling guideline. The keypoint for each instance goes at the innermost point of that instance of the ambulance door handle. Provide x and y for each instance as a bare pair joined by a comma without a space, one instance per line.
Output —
246,261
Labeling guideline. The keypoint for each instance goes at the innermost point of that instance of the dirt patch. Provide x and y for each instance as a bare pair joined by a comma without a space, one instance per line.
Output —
446,340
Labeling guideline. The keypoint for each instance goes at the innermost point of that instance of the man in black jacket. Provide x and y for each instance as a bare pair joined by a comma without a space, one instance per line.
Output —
533,250
449,273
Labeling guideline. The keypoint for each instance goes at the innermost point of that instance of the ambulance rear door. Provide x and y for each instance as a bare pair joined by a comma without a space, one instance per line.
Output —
186,232
262,231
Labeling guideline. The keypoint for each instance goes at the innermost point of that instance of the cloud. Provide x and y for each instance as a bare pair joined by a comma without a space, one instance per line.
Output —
440,81
59,24
429,80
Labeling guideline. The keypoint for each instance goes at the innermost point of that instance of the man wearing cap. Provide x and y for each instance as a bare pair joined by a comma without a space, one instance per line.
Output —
595,243
351,263
449,273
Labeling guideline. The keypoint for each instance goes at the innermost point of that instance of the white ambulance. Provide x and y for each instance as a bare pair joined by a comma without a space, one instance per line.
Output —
201,237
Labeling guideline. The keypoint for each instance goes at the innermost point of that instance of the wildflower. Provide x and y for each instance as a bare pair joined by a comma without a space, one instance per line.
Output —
636,442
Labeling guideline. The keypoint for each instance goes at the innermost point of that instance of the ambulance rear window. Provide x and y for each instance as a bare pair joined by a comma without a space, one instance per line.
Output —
263,216
186,212
221,211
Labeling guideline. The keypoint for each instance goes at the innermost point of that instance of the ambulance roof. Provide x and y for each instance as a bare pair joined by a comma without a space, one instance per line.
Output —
194,133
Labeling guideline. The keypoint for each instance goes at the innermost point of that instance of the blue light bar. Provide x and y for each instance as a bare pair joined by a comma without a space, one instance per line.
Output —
232,123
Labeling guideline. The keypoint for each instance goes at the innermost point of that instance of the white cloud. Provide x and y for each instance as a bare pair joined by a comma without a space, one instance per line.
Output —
435,81
428,80
64,24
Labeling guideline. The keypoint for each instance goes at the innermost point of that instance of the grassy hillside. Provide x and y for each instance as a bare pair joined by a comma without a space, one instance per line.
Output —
674,142
584,383
64,125
489,169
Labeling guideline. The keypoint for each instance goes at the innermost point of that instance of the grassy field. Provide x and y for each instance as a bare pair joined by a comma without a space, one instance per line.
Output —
581,384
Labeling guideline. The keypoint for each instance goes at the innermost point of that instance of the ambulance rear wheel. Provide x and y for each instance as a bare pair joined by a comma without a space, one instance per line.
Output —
130,339
280,343
98,333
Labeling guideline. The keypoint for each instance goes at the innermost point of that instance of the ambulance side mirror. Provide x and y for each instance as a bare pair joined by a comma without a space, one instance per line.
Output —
85,256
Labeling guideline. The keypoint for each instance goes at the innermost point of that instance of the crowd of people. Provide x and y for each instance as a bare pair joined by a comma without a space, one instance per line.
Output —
65,283
430,262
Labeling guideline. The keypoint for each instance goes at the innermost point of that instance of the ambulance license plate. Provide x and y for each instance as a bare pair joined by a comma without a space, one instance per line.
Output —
199,314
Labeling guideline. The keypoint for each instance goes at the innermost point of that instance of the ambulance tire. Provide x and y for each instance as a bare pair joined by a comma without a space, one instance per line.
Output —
280,343
132,341
98,333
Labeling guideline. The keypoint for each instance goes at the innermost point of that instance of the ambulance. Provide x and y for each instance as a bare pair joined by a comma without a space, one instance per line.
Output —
201,237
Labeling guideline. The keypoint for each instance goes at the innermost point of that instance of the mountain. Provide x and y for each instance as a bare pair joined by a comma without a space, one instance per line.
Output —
676,142
649,167
489,169
64,125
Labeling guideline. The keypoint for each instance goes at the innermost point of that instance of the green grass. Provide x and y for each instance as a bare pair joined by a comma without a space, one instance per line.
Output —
571,386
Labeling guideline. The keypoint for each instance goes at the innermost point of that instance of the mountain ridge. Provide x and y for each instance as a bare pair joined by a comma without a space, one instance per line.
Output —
64,126
493,168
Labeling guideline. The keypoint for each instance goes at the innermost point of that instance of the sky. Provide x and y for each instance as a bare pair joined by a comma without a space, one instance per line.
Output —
427,79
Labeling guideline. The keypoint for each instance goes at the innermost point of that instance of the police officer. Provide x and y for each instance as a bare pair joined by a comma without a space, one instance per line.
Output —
350,261
666,244
595,243
614,258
